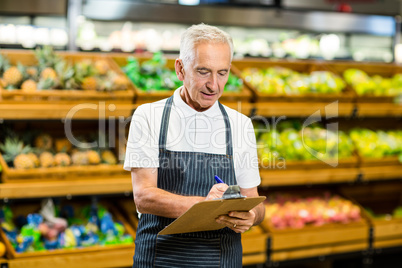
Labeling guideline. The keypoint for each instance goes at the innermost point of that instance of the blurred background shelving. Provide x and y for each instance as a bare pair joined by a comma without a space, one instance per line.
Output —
278,29
304,36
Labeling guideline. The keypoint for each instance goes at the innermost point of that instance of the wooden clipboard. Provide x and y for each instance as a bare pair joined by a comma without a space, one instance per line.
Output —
201,216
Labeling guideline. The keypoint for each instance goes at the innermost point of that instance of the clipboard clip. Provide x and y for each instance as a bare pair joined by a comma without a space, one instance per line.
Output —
232,192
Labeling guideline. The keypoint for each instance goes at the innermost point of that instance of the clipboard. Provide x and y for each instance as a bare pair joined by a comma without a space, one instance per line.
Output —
201,216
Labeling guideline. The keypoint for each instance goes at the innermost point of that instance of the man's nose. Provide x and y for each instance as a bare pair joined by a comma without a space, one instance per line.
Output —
212,83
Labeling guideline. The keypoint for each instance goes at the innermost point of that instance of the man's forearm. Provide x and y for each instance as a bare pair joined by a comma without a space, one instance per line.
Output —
162,203
259,214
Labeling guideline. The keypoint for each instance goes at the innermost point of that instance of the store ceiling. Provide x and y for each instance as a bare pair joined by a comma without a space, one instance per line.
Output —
118,10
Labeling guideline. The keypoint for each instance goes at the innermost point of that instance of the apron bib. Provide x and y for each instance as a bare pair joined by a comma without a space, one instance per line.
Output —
192,174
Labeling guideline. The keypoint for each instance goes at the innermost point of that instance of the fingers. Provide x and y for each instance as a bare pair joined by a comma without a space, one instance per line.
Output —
221,187
217,191
239,225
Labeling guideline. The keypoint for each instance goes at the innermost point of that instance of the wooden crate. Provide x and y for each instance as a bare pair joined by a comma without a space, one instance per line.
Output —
254,243
325,250
112,258
10,174
245,95
385,168
317,236
374,162
383,69
306,67
65,96
382,198
350,162
25,209
57,130
313,241
70,173
308,172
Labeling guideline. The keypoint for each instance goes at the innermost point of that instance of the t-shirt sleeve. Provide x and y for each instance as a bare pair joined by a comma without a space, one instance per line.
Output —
246,160
142,145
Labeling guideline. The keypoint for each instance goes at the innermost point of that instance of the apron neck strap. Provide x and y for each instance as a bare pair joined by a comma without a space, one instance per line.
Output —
165,126
229,147
165,123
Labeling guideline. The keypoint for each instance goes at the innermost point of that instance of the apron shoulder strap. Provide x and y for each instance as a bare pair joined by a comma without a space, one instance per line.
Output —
165,123
229,146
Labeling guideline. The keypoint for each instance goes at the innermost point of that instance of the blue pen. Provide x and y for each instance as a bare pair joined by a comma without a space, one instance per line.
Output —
218,180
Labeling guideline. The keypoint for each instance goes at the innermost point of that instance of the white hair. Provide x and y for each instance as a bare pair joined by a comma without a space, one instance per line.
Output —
199,33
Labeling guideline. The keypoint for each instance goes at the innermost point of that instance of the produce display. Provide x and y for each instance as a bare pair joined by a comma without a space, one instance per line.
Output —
284,81
375,85
294,211
62,227
292,142
377,144
45,151
153,75
54,72
395,214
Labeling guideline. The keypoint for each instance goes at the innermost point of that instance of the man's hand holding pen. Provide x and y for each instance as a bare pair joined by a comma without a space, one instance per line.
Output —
217,191
236,220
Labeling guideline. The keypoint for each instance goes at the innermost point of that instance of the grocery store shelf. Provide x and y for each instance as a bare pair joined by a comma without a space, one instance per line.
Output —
378,109
66,187
381,172
297,109
253,259
317,251
64,111
278,177
118,257
388,243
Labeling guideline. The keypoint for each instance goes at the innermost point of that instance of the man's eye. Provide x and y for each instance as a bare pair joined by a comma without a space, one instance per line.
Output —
223,73
203,73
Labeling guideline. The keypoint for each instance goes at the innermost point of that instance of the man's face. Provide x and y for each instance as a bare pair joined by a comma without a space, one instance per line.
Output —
205,77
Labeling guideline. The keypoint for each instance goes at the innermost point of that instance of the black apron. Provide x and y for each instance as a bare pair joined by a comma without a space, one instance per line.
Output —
191,174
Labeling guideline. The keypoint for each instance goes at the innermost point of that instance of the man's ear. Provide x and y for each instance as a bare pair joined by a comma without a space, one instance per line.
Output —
179,68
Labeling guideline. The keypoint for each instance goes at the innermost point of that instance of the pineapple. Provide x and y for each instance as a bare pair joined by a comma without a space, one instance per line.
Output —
3,83
29,86
12,76
93,157
32,72
101,67
23,161
79,158
89,83
46,84
34,159
62,159
84,69
62,145
47,61
120,82
43,142
12,148
46,159
105,84
46,57
109,158
48,73
4,63
65,72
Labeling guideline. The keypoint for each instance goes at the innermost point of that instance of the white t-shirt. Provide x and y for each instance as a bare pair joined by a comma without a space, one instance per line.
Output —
192,131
